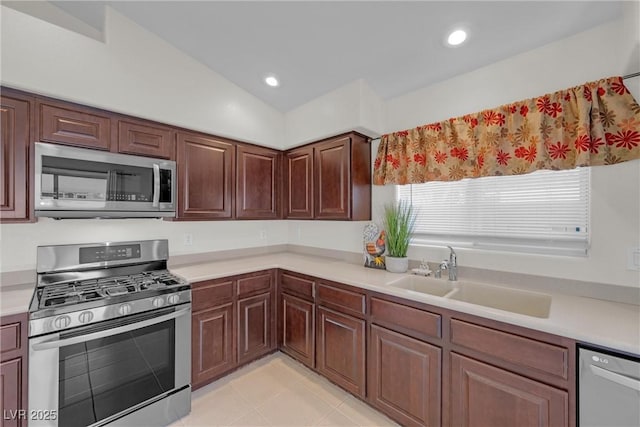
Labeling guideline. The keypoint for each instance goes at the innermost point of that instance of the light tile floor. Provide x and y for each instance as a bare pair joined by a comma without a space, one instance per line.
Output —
277,391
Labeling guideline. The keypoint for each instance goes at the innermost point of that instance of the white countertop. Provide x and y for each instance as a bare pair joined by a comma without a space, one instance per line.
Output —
588,320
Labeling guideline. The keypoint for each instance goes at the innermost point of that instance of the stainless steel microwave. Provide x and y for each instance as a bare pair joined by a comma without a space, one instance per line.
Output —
82,183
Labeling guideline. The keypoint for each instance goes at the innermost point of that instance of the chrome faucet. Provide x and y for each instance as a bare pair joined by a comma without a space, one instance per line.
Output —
451,265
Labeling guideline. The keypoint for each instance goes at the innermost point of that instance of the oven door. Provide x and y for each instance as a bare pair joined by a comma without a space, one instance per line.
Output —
78,182
113,370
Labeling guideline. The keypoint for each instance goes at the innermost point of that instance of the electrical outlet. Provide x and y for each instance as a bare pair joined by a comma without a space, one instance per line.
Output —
188,239
263,234
633,258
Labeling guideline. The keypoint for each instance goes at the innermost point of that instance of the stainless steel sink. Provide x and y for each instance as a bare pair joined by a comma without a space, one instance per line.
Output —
516,301
423,285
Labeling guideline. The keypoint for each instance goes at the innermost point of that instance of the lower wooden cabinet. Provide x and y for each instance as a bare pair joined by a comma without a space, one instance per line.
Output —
233,323
254,327
13,369
340,355
483,395
298,337
404,378
213,349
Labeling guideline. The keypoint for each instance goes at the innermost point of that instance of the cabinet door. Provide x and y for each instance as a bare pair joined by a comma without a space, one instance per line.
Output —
333,179
11,397
205,172
74,126
13,370
14,159
145,139
482,395
298,173
212,352
258,183
298,329
341,350
404,378
254,327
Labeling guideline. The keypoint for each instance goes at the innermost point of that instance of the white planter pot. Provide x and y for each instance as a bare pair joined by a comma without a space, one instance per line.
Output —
396,265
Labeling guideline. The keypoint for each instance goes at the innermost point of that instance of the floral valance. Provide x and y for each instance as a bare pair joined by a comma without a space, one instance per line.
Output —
597,123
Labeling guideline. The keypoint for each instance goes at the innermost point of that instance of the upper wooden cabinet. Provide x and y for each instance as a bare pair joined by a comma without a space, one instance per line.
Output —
298,186
333,178
74,125
15,137
335,185
146,139
258,183
205,177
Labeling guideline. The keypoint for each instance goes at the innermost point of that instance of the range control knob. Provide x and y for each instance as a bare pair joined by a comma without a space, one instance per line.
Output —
173,299
124,309
61,322
158,302
85,317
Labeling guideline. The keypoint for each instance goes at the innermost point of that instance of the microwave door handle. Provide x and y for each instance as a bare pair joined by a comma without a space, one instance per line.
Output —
156,185
55,343
616,378
109,185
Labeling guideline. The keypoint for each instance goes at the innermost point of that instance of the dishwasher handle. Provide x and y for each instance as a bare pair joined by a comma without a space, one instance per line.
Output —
623,380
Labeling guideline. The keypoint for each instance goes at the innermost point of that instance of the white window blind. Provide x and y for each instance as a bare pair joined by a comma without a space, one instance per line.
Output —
544,212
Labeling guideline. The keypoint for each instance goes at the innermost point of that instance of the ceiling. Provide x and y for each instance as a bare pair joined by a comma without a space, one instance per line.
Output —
314,47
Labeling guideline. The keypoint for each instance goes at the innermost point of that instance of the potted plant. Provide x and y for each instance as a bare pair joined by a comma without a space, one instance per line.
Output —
399,221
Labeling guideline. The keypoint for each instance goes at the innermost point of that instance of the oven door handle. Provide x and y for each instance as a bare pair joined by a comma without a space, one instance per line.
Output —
156,185
55,343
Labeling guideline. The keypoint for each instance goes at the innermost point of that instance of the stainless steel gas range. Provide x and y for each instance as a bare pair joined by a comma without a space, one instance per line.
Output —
109,336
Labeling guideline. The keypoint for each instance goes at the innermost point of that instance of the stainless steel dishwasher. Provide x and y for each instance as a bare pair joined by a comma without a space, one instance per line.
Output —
608,389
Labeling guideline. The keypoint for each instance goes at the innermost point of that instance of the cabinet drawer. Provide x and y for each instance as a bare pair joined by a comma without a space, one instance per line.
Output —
210,293
525,352
407,320
254,284
294,285
74,127
10,337
341,299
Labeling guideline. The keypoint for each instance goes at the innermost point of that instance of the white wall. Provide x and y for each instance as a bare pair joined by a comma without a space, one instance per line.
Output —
133,72
18,242
147,78
615,201
43,58
351,107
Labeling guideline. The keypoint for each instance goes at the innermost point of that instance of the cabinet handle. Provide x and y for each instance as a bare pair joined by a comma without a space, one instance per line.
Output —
156,185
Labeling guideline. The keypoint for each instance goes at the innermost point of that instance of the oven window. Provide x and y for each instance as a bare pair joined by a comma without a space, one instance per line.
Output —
105,376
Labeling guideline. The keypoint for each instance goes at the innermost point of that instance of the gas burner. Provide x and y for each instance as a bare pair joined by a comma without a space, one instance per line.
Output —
75,292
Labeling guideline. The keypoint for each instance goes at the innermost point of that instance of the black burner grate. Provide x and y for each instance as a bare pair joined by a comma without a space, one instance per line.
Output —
95,289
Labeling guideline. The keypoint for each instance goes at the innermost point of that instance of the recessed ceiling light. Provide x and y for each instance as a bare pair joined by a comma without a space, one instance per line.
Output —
271,81
456,37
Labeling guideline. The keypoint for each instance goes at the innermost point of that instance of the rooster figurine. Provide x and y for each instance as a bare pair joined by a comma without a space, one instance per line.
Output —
374,245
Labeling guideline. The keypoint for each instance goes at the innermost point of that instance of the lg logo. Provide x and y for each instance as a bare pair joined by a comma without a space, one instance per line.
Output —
599,359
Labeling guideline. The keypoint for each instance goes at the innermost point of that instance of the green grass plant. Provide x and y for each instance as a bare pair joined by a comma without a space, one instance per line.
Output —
399,222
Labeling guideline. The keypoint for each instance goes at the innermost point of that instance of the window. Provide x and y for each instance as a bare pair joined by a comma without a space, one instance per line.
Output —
544,212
